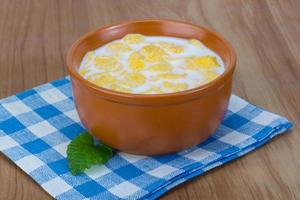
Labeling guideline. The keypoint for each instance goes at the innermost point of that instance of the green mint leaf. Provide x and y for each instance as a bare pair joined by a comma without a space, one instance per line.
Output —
82,153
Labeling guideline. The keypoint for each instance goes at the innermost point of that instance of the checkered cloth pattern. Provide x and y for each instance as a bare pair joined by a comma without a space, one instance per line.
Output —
37,125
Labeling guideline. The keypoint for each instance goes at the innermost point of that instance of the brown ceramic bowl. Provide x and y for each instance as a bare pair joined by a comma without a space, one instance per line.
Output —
151,124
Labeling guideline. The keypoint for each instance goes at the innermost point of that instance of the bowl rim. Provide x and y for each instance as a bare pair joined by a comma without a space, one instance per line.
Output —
229,68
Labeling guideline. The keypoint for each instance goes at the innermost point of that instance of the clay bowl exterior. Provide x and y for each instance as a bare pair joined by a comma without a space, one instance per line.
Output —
151,124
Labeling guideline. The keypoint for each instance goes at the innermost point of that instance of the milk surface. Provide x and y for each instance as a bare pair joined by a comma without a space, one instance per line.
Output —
186,64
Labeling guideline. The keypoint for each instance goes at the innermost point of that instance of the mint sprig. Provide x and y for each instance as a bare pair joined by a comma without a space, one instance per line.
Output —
82,153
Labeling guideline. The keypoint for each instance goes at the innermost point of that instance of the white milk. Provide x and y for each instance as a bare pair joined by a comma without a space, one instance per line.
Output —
191,78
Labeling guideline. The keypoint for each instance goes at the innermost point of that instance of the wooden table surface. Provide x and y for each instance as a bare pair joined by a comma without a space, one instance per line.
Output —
35,36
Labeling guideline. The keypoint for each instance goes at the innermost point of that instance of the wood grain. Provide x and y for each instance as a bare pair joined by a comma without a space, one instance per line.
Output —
35,36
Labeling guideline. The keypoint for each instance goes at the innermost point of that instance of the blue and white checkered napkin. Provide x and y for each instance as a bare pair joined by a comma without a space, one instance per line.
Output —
37,125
